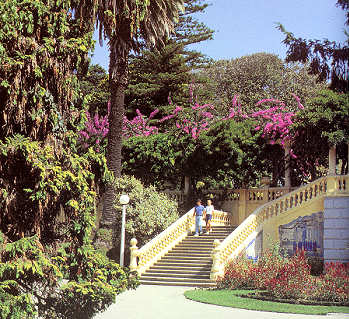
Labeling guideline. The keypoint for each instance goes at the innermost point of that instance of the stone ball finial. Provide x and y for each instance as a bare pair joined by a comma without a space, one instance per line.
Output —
133,242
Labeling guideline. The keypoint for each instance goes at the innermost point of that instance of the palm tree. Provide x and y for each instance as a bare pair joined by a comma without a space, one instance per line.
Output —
128,25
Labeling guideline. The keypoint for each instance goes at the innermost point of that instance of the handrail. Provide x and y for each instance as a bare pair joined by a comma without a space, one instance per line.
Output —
143,258
238,240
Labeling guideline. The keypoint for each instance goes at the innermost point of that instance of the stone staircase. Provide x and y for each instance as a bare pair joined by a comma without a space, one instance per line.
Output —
188,263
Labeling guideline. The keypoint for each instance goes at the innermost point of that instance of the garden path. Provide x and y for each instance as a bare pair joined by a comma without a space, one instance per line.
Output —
150,302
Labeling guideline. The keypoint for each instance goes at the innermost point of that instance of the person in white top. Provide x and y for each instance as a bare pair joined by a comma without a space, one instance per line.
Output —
209,211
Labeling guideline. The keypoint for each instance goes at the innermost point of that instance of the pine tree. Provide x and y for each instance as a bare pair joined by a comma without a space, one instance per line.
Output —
156,74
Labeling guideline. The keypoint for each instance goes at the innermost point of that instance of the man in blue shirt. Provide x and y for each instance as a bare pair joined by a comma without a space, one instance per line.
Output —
198,212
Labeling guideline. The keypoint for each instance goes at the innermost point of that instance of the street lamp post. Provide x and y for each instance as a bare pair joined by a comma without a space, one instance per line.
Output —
124,200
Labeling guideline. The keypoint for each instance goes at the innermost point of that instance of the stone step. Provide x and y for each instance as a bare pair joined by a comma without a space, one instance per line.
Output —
179,280
181,267
183,263
176,276
211,233
189,263
194,248
196,244
227,228
180,248
189,254
183,271
197,240
180,284
206,237
191,258
219,233
209,236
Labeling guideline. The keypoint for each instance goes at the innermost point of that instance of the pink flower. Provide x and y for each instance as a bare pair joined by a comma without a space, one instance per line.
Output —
300,105
152,114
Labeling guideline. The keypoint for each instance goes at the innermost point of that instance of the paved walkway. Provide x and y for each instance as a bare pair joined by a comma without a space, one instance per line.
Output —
152,302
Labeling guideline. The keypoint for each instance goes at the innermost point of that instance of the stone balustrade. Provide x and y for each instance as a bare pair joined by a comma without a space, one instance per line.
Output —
235,243
178,196
238,202
221,218
143,258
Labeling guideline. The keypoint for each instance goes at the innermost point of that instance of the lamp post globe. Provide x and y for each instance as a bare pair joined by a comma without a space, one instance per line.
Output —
124,199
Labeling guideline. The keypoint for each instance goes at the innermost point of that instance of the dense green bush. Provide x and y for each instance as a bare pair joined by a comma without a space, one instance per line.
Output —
148,213
48,266
62,285
49,185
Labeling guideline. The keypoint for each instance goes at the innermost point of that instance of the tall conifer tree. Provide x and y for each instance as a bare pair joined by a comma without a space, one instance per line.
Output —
157,73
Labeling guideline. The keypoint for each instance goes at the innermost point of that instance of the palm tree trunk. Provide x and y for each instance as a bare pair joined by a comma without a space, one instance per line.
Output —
118,68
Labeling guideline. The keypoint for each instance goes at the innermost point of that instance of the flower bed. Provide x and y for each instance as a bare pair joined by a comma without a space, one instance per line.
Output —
289,279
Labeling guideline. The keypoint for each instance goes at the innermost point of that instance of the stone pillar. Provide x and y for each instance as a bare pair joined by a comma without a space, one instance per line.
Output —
242,205
332,161
134,255
216,270
186,185
287,165
336,229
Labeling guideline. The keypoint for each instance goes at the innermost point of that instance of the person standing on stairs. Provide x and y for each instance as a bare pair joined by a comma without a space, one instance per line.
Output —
208,214
198,213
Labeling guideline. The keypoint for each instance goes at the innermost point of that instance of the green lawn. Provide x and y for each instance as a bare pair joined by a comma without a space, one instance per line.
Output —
229,298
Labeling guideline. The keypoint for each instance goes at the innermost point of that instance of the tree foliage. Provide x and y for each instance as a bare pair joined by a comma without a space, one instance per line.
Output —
95,89
256,77
327,59
48,185
159,72
324,122
43,42
127,24
46,222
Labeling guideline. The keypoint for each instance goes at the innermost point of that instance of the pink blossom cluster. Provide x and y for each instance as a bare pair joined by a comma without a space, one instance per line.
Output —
235,110
191,120
139,125
197,120
276,120
95,131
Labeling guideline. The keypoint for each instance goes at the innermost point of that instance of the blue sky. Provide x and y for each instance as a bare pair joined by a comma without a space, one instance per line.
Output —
248,26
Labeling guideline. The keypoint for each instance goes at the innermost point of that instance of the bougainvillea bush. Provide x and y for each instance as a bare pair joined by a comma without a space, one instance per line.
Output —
288,278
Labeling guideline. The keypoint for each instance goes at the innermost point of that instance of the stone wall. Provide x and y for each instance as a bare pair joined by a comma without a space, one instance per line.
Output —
336,229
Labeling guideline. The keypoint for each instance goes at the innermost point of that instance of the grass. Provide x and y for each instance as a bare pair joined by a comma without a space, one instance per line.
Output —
230,298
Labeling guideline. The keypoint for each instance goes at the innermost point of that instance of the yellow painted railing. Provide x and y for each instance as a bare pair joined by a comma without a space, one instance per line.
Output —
239,239
143,258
